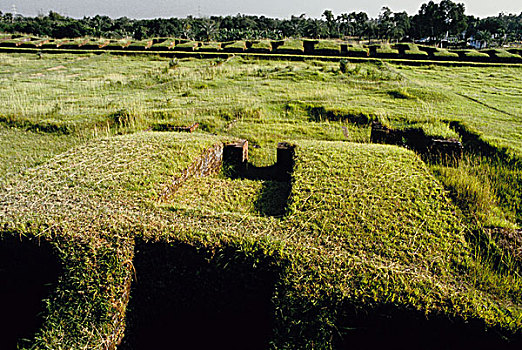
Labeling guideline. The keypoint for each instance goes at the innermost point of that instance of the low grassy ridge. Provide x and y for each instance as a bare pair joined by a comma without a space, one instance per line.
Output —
360,231
300,48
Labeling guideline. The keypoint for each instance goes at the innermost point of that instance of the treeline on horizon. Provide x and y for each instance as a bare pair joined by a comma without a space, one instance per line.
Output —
434,22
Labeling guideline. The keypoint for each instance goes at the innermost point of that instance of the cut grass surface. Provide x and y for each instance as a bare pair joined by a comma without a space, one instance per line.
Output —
291,46
236,46
361,229
25,149
340,196
261,46
326,47
108,178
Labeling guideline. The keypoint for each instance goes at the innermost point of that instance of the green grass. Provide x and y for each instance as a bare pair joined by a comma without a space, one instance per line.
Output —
186,46
326,47
140,45
360,229
164,44
104,177
211,47
407,51
261,46
291,46
384,48
472,54
484,99
366,225
499,53
236,46
445,53
356,51
25,149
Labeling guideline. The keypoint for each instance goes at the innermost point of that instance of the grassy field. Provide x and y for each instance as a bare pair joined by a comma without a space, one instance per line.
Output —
368,233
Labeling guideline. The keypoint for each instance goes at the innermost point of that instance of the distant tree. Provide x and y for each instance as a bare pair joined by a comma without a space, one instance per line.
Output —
295,27
361,19
452,18
385,24
331,23
371,28
316,29
438,20
433,20
402,25
206,29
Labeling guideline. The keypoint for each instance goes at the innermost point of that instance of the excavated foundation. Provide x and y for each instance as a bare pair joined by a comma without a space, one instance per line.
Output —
185,298
387,327
28,272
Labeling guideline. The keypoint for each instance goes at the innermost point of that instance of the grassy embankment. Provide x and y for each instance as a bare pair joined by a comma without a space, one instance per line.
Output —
367,226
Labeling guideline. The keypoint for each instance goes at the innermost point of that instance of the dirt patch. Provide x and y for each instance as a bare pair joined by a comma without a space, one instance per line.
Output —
509,240
56,68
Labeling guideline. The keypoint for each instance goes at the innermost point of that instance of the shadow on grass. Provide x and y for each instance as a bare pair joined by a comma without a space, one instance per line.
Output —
273,198
275,191
28,271
189,298
387,327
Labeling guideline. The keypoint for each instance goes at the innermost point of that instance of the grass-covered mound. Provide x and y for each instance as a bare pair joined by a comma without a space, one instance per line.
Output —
354,50
290,46
82,202
445,54
95,44
438,53
472,55
12,42
140,45
503,55
210,47
235,46
35,43
327,47
390,237
261,46
118,44
186,46
367,229
383,51
163,45
75,43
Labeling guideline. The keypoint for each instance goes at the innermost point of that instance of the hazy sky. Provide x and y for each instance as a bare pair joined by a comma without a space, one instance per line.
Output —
269,8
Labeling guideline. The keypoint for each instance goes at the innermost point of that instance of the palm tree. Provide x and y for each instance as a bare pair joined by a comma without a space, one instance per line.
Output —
207,29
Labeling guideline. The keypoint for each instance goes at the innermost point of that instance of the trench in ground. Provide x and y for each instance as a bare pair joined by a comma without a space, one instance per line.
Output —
189,298
388,327
28,272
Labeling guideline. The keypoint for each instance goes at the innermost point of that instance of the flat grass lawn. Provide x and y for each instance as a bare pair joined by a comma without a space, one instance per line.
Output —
92,90
487,99
23,149
361,235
